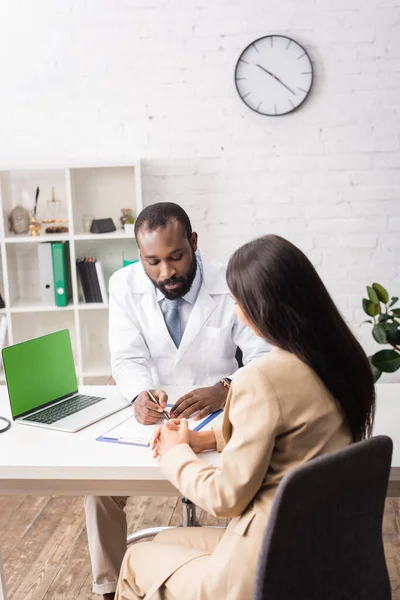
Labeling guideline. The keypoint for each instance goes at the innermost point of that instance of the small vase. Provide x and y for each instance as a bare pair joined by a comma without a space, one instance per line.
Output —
126,214
130,229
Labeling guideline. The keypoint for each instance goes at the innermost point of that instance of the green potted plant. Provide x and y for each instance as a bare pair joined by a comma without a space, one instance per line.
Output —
385,323
130,226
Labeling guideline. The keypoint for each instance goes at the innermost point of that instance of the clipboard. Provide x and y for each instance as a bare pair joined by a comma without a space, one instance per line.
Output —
132,433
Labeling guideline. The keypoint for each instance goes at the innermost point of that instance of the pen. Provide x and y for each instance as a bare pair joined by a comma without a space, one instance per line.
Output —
164,412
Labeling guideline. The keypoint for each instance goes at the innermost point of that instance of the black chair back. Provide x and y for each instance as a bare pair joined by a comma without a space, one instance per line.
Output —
324,537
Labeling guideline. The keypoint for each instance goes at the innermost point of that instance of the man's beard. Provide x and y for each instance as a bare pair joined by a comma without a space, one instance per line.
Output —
185,283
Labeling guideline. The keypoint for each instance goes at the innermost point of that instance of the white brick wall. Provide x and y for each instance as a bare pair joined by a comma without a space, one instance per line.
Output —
97,79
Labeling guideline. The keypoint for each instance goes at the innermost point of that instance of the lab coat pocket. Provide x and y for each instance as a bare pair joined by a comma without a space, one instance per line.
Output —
215,341
211,333
217,334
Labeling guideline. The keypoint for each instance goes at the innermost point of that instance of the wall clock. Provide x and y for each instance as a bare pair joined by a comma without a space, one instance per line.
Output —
274,75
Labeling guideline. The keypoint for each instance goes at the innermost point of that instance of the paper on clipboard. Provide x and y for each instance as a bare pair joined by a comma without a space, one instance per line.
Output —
131,432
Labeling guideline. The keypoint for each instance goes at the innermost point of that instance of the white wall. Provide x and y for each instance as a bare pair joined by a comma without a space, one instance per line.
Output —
118,79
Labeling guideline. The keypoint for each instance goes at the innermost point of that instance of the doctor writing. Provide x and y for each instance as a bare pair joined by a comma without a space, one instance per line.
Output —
172,322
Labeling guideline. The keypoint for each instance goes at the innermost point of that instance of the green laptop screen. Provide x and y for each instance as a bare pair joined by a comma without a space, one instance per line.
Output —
39,371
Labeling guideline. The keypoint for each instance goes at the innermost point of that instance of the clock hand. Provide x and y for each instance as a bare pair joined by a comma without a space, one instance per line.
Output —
277,79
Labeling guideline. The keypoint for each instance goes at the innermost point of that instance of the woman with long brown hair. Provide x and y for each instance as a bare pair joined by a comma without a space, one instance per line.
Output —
311,395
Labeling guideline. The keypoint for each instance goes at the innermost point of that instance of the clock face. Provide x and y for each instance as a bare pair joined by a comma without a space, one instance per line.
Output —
273,75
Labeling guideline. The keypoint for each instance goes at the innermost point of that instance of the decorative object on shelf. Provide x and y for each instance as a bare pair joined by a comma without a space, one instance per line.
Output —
57,229
53,214
126,217
274,75
34,227
53,208
19,220
130,226
87,222
102,226
385,330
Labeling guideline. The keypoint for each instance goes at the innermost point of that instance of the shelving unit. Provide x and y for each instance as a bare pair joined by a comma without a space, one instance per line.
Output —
101,190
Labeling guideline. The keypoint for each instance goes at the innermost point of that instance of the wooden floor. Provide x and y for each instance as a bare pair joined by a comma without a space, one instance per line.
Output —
44,547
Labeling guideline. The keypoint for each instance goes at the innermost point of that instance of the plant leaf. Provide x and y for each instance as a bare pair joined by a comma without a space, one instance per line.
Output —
384,317
393,334
379,334
381,293
372,295
371,309
376,373
367,321
393,300
387,361
396,312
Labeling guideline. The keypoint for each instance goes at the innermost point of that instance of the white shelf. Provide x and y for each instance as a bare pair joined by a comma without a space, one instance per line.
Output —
113,235
93,306
101,190
61,237
35,305
28,239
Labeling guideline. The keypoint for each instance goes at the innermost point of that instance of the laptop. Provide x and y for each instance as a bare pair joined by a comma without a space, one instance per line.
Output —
43,389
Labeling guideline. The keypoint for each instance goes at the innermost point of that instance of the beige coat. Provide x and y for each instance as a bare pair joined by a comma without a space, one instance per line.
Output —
278,415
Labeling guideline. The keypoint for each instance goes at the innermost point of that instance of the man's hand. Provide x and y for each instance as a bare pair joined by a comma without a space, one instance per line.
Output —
148,413
205,400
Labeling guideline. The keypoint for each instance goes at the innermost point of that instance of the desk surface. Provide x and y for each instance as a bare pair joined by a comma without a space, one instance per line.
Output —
42,461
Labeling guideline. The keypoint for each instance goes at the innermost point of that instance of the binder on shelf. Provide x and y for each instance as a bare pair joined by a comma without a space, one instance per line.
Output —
102,283
46,279
91,277
61,272
81,279
94,281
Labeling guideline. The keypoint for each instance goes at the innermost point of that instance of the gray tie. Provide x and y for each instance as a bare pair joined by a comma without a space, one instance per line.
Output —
173,321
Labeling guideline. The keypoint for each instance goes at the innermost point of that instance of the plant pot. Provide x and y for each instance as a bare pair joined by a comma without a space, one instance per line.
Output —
130,229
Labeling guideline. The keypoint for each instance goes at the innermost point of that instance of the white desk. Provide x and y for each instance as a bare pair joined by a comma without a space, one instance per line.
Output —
34,460
39,461
44,462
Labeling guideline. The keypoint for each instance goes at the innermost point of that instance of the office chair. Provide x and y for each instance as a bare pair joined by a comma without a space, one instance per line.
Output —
324,535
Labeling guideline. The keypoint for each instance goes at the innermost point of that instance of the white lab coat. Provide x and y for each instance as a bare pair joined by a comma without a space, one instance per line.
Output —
143,354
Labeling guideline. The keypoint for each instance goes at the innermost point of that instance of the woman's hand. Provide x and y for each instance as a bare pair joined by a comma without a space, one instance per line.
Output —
171,434
197,440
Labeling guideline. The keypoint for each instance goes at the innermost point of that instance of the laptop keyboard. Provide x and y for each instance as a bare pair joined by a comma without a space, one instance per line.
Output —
63,409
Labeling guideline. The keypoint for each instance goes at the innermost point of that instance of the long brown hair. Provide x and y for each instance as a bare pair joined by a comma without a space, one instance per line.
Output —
285,299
